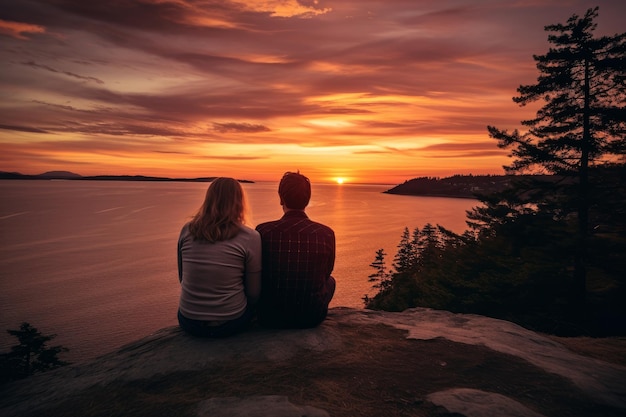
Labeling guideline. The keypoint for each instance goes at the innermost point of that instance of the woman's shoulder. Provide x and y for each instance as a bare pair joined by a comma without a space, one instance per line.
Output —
185,228
184,232
248,231
248,235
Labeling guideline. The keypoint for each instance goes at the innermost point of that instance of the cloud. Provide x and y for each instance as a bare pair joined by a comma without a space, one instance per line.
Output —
301,80
22,129
239,127
465,146
69,74
440,150
18,30
286,8
463,150
173,152
373,152
233,157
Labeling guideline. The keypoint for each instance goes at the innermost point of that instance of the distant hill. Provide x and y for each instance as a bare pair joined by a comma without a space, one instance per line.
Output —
66,175
11,176
457,186
60,175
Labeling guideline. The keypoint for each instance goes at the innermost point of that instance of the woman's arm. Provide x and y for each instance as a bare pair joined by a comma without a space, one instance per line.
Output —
252,275
253,287
179,255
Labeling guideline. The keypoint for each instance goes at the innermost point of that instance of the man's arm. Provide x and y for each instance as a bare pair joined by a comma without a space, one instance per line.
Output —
331,261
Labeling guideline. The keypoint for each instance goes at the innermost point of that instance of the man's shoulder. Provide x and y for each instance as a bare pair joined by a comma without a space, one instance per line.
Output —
321,226
312,227
327,230
261,227
290,223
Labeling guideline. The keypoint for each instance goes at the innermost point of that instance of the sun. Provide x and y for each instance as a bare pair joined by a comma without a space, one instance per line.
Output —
340,180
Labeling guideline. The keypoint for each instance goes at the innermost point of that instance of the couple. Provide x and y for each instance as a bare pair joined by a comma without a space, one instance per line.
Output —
229,273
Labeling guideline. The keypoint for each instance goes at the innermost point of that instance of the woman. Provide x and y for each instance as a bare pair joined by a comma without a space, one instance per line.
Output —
219,264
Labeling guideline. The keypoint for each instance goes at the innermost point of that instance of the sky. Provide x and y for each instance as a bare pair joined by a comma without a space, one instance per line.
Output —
368,91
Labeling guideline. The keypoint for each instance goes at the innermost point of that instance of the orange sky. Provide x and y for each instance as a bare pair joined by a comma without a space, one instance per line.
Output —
371,91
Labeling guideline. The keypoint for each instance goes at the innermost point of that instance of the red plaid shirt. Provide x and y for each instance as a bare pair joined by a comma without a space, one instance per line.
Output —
298,258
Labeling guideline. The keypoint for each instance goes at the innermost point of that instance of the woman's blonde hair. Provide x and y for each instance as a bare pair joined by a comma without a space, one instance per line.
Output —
222,213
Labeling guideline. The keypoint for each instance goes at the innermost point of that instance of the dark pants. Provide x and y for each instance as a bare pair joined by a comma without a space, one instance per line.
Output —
202,328
272,318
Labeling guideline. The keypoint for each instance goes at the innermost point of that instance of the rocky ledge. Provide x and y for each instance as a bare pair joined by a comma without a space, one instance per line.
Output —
420,362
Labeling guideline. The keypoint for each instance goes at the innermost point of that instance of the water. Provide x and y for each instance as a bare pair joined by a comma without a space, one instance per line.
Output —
95,262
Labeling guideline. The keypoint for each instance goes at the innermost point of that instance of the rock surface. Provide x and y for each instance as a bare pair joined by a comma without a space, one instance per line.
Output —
267,372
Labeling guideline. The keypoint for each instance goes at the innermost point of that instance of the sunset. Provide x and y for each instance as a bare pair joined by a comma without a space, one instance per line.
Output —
312,207
347,91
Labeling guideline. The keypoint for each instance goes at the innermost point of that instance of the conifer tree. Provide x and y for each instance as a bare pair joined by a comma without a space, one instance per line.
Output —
430,245
31,354
581,125
381,278
403,258
416,247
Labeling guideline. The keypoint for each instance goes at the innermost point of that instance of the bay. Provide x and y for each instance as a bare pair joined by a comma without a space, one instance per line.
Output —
95,261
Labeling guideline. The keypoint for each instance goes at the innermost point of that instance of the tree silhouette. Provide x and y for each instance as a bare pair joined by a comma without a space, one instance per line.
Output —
545,248
30,355
380,278
580,126
404,257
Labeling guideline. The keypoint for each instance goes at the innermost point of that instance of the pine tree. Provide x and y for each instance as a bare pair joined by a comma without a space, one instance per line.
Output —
31,354
382,277
403,258
581,125
430,244
416,248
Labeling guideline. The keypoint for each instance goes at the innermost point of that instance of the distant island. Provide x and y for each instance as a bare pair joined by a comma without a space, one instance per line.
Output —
457,186
70,176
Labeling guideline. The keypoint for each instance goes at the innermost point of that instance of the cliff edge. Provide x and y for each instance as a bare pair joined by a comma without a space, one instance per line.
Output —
420,362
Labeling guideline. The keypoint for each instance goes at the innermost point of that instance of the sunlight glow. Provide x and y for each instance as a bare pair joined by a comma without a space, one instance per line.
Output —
251,89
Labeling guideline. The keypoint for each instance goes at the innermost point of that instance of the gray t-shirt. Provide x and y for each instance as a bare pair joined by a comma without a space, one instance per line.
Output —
213,276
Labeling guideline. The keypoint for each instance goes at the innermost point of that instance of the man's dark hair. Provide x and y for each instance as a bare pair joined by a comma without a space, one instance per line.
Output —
294,190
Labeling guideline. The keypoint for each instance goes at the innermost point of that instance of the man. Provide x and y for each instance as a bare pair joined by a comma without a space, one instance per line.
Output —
298,257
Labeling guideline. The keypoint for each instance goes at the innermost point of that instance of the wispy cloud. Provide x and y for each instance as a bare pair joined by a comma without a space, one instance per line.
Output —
22,129
19,30
239,127
69,74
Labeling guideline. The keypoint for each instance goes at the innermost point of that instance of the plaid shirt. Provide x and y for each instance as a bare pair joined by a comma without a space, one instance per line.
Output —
298,257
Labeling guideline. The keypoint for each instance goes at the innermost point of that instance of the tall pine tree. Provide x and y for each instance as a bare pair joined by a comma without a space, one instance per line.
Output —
581,125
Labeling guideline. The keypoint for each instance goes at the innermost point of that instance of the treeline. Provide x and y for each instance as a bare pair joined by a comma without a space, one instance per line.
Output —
545,251
520,270
458,186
